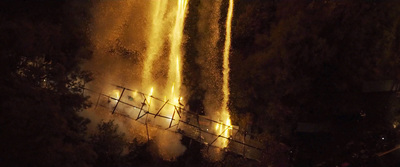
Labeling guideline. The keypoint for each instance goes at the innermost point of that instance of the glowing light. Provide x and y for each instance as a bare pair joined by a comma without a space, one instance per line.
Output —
150,95
226,69
116,93
154,44
175,56
228,128
151,91
217,127
178,72
159,27
225,87
172,90
395,124
174,73
114,96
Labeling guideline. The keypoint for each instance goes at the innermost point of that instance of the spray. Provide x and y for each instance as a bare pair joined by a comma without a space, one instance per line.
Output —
175,56
208,58
154,42
173,148
225,127
225,87
145,28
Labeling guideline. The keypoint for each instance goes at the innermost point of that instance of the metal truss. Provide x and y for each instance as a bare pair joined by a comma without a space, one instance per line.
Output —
185,122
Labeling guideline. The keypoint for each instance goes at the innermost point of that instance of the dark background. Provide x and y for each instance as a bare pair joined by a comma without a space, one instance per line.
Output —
306,76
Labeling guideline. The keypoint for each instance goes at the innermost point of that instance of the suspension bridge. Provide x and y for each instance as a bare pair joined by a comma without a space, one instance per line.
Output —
163,114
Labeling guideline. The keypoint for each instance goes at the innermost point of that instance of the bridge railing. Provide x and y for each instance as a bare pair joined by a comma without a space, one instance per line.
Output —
163,114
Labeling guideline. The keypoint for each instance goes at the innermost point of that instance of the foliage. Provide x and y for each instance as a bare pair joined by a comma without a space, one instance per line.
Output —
306,61
40,51
108,143
292,62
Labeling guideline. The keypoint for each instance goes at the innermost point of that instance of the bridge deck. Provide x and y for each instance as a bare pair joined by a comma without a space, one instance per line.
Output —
162,114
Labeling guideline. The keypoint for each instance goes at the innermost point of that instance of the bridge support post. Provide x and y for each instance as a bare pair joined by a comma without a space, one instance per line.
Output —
172,119
141,108
98,99
119,99
158,112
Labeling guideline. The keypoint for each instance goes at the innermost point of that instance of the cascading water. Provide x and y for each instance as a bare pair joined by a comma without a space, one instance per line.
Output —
161,17
162,50
225,116
176,55
154,44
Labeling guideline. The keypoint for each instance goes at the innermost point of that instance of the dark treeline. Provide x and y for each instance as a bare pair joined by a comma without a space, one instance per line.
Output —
296,66
303,64
41,46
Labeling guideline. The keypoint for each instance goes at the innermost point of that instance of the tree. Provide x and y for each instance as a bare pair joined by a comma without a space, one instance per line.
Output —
41,49
306,61
108,143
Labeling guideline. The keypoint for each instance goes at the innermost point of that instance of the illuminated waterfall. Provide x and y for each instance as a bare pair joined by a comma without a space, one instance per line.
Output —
161,25
225,116
175,57
154,43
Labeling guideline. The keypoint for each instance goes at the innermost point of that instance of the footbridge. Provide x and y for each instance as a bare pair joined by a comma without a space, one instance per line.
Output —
175,117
